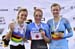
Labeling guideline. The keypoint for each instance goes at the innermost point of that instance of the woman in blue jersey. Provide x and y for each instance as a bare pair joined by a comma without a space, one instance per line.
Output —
17,30
38,32
58,26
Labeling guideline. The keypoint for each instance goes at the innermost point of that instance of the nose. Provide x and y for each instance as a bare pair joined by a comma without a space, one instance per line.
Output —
38,16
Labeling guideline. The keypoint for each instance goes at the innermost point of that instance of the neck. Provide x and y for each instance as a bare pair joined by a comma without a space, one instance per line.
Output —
56,19
37,23
19,22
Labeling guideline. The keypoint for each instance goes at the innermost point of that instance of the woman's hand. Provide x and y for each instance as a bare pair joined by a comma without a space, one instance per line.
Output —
7,37
11,26
42,33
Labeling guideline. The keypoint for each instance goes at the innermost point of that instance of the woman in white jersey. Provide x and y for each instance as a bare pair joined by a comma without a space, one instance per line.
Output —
17,29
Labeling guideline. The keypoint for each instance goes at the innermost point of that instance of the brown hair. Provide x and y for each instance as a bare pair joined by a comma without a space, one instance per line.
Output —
55,4
38,10
20,11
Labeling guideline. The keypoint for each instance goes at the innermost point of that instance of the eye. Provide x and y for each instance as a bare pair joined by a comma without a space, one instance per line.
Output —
55,10
38,15
24,15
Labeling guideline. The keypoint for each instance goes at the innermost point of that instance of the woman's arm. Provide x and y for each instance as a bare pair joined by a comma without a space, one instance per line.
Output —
69,29
8,35
10,29
46,34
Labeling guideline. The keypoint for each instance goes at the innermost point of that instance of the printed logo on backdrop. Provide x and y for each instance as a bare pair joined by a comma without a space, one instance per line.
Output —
71,7
74,18
3,9
1,30
2,22
16,9
74,21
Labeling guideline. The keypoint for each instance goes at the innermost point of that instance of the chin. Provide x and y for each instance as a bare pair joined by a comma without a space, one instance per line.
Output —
55,15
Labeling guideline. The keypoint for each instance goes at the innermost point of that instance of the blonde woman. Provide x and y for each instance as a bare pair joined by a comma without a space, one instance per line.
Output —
38,32
17,30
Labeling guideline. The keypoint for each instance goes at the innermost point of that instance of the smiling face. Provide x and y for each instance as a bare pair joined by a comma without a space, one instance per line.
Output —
55,9
22,15
38,15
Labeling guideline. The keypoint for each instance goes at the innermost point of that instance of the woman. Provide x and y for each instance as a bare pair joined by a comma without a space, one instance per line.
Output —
17,30
58,26
38,32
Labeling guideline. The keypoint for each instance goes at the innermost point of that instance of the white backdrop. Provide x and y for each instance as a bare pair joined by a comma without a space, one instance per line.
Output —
8,12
